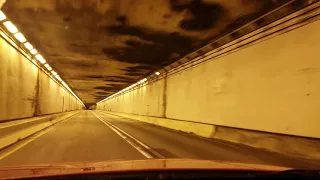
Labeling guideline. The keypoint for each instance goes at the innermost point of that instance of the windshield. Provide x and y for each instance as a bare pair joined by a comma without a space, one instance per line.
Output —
99,81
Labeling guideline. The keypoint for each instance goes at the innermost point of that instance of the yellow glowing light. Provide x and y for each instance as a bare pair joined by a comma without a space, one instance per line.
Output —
12,28
2,16
28,45
40,58
42,61
33,51
65,85
58,77
20,37
48,67
157,73
54,73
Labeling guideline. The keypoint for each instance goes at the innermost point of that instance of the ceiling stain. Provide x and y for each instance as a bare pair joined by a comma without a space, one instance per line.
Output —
101,47
199,15
119,79
157,52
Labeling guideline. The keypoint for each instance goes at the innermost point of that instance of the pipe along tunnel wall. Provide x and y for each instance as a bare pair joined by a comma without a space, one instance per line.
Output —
265,95
30,100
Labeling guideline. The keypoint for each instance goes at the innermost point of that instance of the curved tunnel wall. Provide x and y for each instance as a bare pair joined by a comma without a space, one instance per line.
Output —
26,91
271,86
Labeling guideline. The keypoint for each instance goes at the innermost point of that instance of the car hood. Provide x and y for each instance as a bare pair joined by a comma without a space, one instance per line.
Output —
129,166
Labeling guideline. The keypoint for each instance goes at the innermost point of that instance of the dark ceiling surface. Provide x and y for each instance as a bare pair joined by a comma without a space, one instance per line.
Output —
102,46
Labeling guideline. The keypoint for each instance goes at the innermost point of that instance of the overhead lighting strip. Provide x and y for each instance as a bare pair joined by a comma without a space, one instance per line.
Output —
27,46
139,83
2,16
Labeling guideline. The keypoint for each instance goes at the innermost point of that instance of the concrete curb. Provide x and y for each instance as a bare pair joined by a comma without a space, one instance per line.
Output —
203,130
10,133
304,148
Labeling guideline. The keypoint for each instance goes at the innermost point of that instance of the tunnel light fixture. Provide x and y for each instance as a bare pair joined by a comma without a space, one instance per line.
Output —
2,16
28,45
33,51
42,61
119,92
53,73
125,89
20,37
12,28
58,77
142,81
157,73
48,67
40,58
65,84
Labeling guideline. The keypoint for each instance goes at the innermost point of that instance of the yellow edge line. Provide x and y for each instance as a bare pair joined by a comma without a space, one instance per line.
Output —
23,143
19,145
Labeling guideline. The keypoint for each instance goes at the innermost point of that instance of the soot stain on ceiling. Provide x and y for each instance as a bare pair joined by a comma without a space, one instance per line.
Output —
119,79
108,45
201,16
156,53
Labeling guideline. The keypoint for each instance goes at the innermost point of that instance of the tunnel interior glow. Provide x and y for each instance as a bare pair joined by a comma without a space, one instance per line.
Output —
100,48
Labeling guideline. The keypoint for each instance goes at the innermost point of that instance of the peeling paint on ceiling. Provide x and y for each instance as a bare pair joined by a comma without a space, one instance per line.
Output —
102,46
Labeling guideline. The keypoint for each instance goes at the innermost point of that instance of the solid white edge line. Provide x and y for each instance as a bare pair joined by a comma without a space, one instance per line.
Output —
138,141
216,141
147,155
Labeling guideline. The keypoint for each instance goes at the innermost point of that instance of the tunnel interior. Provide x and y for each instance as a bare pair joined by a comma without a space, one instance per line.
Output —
101,47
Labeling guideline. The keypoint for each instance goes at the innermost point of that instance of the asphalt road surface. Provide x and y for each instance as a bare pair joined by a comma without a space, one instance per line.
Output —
92,136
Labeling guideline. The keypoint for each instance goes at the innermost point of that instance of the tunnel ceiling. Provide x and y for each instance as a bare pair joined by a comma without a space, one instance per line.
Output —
101,46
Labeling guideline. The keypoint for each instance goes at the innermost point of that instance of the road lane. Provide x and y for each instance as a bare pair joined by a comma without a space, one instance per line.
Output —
83,137
175,144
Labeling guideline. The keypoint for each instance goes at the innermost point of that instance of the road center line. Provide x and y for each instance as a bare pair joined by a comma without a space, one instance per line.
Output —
125,136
